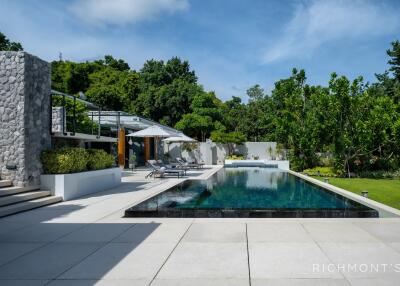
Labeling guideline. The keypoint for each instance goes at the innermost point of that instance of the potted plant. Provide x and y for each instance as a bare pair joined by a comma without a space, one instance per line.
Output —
270,151
132,161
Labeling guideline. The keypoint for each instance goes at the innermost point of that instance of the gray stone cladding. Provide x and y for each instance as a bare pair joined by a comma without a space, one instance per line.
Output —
57,119
24,116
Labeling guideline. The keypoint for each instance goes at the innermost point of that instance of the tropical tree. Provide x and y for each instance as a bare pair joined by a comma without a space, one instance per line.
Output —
230,139
7,45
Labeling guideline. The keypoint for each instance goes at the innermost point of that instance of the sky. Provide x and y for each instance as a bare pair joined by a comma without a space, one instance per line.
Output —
231,44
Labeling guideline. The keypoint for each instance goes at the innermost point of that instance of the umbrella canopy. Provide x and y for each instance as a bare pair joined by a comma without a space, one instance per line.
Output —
181,138
152,131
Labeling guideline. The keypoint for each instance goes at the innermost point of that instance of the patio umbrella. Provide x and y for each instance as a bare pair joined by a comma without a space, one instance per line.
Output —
152,131
180,138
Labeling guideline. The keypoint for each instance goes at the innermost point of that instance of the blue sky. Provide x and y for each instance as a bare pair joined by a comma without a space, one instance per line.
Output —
232,44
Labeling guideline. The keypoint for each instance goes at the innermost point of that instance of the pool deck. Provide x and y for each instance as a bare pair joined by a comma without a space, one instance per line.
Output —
87,242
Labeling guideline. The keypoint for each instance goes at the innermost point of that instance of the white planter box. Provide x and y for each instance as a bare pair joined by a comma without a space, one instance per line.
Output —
70,186
281,164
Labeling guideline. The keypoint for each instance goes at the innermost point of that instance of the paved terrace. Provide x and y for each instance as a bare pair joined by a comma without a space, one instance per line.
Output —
87,242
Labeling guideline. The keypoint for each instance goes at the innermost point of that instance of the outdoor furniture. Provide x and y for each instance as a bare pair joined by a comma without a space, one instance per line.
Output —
201,165
190,165
173,166
161,170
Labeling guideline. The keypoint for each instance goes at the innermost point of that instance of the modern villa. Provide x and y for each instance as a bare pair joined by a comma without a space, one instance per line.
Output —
103,197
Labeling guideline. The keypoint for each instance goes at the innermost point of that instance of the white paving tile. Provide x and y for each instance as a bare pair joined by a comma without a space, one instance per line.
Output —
387,231
216,232
200,282
367,257
47,262
300,282
10,251
101,232
287,260
277,232
338,232
40,232
115,282
23,282
374,281
122,261
206,260
154,232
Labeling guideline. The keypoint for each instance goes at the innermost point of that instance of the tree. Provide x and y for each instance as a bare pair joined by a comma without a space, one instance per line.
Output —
195,125
7,45
166,90
230,139
113,89
394,61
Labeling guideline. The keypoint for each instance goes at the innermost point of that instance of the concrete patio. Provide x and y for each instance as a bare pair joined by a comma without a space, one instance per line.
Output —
88,242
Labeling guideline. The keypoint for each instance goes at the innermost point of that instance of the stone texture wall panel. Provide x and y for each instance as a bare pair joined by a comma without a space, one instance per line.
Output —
24,116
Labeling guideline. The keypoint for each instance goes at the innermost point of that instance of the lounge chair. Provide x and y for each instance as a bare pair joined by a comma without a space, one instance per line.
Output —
189,165
161,170
178,166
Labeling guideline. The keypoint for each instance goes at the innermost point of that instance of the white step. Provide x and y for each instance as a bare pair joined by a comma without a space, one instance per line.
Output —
6,191
24,206
17,198
5,183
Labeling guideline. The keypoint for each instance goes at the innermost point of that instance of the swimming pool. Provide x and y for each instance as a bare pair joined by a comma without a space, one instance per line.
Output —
249,192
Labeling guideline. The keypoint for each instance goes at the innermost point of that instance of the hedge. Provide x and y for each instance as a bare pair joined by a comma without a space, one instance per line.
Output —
72,160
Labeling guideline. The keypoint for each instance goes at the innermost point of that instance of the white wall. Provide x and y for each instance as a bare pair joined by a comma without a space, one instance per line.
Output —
70,186
214,154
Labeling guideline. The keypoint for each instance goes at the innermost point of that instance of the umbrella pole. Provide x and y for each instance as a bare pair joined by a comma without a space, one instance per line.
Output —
156,147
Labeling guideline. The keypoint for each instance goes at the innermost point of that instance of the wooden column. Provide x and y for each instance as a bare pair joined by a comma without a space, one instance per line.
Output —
146,149
121,147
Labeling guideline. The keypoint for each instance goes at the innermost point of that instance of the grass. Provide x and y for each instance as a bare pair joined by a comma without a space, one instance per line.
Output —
386,191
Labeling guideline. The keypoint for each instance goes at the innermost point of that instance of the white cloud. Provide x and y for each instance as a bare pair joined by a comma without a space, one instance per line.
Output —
319,22
122,12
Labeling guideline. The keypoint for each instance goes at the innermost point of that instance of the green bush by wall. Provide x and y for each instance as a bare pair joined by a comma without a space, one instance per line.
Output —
72,160
99,159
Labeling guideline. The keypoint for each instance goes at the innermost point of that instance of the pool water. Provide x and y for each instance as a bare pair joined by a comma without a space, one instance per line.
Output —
250,192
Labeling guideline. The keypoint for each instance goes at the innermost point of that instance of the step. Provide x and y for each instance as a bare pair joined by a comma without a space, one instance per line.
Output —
5,183
17,198
24,206
6,191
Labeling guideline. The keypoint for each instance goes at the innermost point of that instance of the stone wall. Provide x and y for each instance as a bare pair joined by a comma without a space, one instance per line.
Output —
57,119
24,116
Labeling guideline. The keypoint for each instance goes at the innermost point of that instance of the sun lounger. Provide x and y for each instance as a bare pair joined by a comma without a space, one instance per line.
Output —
190,165
161,170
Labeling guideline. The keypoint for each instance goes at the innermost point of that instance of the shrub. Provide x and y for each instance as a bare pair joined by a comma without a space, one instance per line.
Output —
379,174
99,159
64,160
321,171
235,157
68,160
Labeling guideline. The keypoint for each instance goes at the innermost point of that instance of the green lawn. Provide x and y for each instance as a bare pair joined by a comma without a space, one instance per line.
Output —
386,191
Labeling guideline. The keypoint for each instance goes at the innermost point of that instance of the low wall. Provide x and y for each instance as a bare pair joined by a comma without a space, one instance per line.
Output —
281,164
70,186
214,153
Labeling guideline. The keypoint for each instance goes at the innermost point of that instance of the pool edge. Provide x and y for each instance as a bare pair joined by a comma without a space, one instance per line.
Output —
385,211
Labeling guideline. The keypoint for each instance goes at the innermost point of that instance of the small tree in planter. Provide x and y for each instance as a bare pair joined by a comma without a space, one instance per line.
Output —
132,161
270,151
230,139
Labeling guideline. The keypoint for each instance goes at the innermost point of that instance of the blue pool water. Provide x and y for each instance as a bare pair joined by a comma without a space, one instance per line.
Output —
243,192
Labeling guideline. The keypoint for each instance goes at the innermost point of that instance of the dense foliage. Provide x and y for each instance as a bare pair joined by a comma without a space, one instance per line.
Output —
72,160
7,45
352,126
